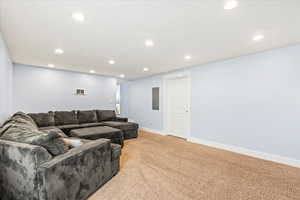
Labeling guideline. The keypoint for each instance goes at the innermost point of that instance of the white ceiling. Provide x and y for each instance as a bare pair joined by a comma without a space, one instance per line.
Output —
117,29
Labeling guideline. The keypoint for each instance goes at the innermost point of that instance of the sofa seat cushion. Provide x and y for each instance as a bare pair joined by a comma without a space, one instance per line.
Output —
122,125
53,129
76,126
105,115
43,119
87,117
69,126
65,118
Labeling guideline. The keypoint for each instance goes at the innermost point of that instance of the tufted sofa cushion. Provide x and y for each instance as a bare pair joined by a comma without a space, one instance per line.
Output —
65,118
43,119
105,115
89,116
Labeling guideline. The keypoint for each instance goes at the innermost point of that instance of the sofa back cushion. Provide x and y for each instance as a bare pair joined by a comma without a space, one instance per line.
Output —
105,115
65,118
87,116
43,119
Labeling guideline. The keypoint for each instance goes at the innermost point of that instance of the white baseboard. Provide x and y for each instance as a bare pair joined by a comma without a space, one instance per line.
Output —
248,152
153,131
240,150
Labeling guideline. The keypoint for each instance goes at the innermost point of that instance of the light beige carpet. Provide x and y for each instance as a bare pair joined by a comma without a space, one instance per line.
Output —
155,167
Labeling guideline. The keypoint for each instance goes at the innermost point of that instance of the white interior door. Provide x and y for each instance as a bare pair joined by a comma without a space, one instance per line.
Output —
178,106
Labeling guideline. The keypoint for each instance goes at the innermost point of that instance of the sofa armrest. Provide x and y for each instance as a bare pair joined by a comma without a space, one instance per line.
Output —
77,173
121,119
18,174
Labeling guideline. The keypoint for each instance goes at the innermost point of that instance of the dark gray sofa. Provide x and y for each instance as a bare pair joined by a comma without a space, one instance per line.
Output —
31,169
69,120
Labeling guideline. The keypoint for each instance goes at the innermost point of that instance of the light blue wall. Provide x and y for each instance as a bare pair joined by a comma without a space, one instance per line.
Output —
5,81
251,102
39,89
136,102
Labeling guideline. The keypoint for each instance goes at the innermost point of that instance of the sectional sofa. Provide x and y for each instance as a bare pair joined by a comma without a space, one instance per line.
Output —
35,163
69,120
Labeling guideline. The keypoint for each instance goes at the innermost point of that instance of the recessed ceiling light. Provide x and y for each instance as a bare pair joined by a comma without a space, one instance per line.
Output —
187,57
258,37
149,43
58,51
78,16
122,76
111,62
92,71
230,4
146,69
51,65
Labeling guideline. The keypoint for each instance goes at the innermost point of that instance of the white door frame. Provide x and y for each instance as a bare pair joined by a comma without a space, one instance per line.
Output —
185,74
